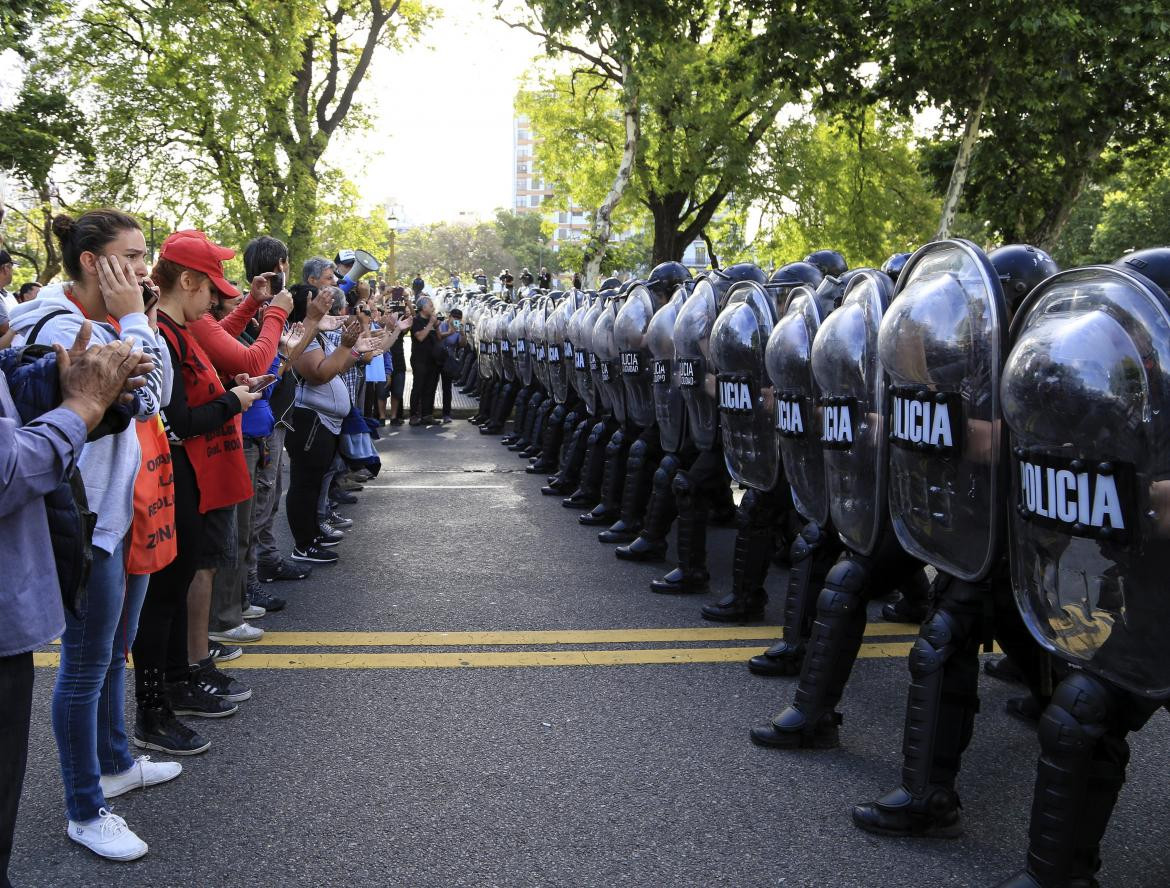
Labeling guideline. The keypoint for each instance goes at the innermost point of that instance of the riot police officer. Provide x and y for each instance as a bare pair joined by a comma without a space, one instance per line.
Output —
1083,392
705,486
941,347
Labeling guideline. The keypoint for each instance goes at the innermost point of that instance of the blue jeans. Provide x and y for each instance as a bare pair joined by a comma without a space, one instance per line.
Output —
89,699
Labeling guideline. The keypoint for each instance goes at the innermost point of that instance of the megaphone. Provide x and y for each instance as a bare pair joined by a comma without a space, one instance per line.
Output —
363,263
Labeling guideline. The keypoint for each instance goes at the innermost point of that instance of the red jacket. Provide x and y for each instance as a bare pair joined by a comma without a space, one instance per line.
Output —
229,356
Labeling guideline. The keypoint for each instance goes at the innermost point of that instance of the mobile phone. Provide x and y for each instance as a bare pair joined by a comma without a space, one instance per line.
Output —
149,297
276,282
262,382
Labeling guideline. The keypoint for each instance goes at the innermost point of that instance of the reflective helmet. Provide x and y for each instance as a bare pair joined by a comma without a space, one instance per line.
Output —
722,280
830,262
894,265
629,285
796,273
1020,268
1153,264
610,283
666,277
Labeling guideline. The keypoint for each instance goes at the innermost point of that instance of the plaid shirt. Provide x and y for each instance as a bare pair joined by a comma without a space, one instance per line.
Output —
355,375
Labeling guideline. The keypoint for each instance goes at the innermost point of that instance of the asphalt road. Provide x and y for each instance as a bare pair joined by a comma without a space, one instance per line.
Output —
378,759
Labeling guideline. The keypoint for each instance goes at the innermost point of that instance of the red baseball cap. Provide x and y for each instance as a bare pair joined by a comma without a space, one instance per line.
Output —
193,249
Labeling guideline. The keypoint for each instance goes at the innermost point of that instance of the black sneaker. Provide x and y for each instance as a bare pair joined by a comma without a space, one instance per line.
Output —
283,571
221,652
260,598
324,542
220,684
340,522
157,728
188,698
314,554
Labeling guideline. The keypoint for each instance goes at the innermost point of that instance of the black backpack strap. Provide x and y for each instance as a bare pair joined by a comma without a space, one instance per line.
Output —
174,335
36,330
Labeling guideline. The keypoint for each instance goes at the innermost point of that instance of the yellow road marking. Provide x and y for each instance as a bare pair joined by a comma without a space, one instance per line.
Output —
456,660
546,636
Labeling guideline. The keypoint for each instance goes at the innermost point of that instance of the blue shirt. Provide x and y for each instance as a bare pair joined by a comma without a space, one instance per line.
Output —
258,421
34,459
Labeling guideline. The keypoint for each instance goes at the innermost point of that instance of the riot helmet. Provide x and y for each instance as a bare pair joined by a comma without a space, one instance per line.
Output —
665,278
796,273
610,283
830,262
894,265
722,280
1020,268
1152,264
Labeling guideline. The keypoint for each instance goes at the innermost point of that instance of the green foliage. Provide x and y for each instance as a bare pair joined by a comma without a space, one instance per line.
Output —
846,183
511,240
241,97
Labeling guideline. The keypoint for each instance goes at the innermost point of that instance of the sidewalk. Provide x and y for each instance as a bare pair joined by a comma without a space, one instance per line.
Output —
461,405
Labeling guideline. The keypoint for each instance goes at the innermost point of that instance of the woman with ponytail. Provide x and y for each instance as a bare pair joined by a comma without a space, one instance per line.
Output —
104,253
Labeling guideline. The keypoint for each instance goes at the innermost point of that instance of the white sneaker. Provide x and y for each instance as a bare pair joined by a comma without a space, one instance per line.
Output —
141,774
108,836
254,612
241,634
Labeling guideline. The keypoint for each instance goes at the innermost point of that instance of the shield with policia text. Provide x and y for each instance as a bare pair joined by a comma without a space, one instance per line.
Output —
747,417
942,344
1086,391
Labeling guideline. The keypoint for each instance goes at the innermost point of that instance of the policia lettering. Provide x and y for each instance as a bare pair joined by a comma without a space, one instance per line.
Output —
790,416
1083,497
925,420
735,395
837,422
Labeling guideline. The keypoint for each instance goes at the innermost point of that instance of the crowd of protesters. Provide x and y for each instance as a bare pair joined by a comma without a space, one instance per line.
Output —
145,415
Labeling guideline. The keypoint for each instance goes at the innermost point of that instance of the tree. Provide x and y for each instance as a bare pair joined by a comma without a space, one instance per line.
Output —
43,130
522,235
848,182
246,94
1098,92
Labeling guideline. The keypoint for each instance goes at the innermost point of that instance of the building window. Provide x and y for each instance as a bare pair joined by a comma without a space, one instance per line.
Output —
520,201
522,168
700,254
534,200
562,218
522,135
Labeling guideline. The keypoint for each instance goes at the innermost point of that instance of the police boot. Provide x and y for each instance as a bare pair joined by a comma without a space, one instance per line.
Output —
504,407
537,437
690,577
524,438
574,456
518,413
607,511
913,604
588,491
940,716
1078,778
635,493
812,553
487,402
651,542
554,433
753,551
812,721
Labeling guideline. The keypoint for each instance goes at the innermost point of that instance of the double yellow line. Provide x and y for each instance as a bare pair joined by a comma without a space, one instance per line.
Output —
457,659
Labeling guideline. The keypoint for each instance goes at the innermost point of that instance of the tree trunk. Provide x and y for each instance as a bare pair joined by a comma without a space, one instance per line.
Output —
963,159
666,210
602,227
1047,233
52,253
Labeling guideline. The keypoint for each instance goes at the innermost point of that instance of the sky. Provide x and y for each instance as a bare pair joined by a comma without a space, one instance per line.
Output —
442,112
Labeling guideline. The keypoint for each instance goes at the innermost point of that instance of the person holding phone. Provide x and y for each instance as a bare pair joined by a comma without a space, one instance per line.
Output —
210,479
104,254
424,363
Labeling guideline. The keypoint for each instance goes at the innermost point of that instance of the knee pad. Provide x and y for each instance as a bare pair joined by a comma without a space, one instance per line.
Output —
596,434
848,576
615,444
1078,716
684,490
571,419
754,511
806,543
668,465
638,451
934,644
558,414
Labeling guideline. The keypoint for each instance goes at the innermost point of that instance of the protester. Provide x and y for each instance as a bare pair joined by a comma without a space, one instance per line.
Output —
104,252
322,403
400,308
451,344
28,291
424,358
544,279
41,442
417,285
7,269
210,479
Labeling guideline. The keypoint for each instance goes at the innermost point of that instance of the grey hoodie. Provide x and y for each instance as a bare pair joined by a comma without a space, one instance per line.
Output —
109,465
